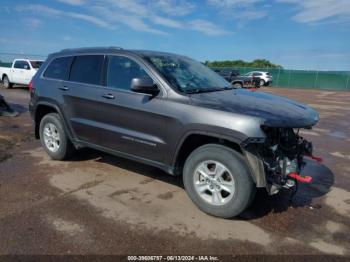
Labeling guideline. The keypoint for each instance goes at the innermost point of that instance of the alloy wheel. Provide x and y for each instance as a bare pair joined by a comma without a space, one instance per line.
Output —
213,182
51,137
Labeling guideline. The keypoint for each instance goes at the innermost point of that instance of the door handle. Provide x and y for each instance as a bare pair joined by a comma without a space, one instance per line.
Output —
64,88
108,96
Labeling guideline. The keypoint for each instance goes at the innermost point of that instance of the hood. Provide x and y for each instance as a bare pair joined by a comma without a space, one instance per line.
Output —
274,111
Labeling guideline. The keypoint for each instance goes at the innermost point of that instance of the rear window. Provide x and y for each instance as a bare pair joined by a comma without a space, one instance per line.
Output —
58,68
36,64
87,69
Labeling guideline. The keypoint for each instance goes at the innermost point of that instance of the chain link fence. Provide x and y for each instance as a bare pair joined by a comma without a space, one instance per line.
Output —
6,59
332,80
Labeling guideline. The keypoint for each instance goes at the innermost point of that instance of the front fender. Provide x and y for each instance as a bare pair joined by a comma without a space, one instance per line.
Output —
253,162
207,130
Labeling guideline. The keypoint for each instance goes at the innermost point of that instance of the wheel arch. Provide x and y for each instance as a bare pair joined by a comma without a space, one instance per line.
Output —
237,82
43,108
3,76
195,139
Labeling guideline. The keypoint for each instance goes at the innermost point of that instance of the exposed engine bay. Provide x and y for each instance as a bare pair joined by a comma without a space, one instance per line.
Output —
282,154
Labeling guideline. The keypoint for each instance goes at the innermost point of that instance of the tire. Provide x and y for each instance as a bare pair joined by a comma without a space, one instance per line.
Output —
262,82
6,82
237,85
55,141
242,191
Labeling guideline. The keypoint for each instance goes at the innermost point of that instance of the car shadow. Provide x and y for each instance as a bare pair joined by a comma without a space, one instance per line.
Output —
322,181
132,166
19,108
23,87
263,204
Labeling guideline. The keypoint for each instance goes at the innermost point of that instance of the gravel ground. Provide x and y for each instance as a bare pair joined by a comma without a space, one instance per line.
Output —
100,204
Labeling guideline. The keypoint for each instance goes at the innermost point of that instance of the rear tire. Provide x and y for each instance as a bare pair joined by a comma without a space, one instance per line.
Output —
53,137
6,82
262,82
226,195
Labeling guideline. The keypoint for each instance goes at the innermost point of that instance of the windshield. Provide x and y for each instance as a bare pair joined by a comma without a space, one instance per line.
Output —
187,75
36,64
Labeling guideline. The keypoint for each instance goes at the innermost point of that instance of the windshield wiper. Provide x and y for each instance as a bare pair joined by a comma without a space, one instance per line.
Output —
206,90
195,91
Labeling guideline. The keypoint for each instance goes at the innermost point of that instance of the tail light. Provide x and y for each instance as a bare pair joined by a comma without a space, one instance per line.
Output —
30,86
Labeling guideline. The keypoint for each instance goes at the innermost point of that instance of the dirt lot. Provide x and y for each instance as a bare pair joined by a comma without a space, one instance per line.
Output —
100,204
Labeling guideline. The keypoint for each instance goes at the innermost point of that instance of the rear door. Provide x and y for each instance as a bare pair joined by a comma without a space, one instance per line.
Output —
28,73
82,97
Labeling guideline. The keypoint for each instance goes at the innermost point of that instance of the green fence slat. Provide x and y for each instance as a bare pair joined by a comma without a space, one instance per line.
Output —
311,79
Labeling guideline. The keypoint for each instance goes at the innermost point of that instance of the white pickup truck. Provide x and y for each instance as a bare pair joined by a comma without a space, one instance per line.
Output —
21,72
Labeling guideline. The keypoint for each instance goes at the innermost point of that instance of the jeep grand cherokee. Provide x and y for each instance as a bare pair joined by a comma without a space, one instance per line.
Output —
173,113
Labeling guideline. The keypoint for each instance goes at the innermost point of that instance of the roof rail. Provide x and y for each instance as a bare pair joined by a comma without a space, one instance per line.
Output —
116,47
90,48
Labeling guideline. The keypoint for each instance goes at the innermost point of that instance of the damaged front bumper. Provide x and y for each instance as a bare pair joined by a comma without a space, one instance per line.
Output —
277,160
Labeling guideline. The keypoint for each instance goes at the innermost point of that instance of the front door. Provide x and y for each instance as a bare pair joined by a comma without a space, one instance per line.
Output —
133,122
19,71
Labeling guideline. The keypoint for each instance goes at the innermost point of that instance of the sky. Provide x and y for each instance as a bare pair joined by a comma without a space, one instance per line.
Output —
297,34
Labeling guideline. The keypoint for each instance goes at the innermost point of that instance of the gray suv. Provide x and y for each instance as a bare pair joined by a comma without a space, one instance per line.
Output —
173,113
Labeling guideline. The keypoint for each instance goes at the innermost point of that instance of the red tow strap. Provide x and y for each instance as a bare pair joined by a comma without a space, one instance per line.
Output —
316,158
302,179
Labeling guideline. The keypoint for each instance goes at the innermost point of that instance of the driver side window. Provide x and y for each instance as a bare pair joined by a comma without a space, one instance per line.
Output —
121,70
21,65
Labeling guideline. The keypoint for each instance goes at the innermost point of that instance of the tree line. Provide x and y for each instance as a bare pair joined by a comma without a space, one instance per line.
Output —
258,63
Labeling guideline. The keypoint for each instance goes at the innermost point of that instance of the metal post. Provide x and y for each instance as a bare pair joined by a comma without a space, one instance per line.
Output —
290,72
347,81
278,77
316,79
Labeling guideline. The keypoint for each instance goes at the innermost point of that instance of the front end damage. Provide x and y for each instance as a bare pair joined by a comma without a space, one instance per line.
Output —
278,159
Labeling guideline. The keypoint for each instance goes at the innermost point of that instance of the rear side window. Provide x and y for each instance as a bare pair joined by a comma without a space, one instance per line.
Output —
87,69
58,68
36,64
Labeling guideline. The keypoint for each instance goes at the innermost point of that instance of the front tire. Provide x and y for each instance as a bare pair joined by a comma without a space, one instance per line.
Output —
218,181
53,137
6,82
237,85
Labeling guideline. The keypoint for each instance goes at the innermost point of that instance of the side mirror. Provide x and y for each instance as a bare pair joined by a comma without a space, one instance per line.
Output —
144,85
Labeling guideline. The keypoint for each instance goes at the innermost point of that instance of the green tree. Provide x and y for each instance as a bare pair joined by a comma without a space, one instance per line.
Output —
258,63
